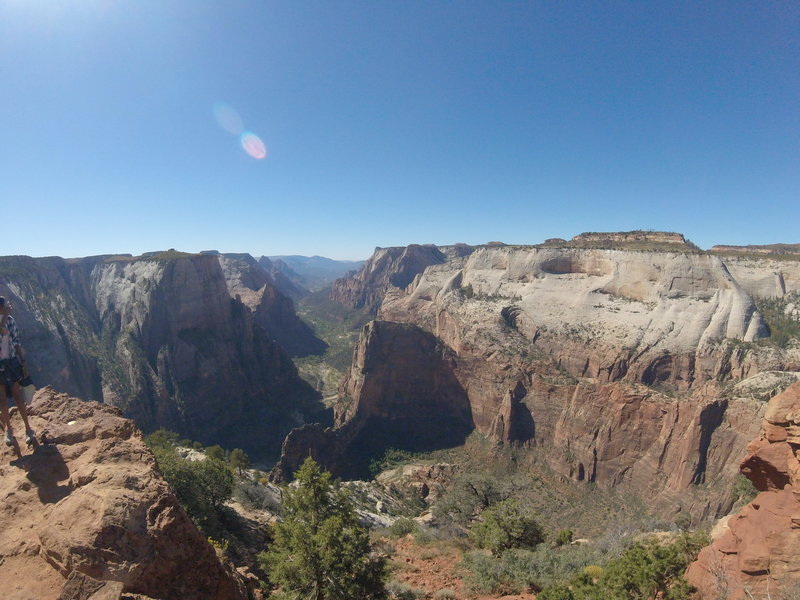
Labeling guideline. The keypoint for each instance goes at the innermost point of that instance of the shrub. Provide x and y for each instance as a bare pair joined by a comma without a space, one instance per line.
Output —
645,570
743,490
557,592
403,591
162,438
564,537
517,570
510,573
391,458
202,486
445,594
593,572
506,525
215,452
403,526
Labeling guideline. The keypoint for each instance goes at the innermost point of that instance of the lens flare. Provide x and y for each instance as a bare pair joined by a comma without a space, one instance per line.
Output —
228,118
253,145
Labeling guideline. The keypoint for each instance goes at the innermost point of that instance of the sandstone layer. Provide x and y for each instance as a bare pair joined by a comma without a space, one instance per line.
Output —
390,267
758,552
615,355
161,338
89,511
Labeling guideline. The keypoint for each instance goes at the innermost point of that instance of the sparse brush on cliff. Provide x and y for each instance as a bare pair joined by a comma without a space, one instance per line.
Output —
783,318
202,486
646,570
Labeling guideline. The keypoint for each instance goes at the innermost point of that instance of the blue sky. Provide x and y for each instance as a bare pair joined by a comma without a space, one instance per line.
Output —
390,123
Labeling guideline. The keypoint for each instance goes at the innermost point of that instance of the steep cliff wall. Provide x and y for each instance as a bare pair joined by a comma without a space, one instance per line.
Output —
757,552
651,317
765,277
161,338
616,363
90,510
248,281
390,268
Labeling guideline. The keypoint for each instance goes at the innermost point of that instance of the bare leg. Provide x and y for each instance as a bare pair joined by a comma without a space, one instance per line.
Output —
6,418
19,400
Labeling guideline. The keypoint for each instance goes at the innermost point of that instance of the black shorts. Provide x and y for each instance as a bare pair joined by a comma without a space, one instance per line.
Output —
10,371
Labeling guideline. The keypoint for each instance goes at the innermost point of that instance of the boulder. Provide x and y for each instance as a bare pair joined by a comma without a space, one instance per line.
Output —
88,515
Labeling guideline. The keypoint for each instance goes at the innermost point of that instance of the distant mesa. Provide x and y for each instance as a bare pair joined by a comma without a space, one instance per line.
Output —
661,237
784,249
496,244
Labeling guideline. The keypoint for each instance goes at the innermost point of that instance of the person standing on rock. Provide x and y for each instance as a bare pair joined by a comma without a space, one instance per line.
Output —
12,363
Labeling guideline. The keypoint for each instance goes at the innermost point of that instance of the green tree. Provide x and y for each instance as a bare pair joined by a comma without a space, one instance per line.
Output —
320,551
202,486
652,570
162,438
215,452
506,525
239,460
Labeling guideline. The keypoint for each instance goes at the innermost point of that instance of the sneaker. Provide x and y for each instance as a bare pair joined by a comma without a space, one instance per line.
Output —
9,438
29,437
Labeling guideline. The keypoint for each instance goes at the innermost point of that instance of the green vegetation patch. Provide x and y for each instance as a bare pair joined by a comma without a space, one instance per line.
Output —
783,326
320,550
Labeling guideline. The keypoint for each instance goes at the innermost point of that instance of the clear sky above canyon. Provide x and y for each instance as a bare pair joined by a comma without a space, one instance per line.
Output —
332,127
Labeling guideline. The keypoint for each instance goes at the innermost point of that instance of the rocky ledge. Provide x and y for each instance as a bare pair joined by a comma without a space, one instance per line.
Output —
88,515
757,552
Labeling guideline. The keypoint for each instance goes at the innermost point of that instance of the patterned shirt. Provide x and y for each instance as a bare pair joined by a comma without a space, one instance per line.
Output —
10,339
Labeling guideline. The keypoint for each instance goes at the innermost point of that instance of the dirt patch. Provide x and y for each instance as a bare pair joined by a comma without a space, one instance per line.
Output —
435,566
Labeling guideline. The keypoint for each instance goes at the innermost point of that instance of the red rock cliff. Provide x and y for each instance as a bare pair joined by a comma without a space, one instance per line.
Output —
91,510
758,552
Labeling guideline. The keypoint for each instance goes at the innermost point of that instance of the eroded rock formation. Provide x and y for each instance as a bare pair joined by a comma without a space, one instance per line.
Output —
160,337
390,267
758,552
89,511
249,282
611,352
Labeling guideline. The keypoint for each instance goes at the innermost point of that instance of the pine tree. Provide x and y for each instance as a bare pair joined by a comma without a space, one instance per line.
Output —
320,551
239,460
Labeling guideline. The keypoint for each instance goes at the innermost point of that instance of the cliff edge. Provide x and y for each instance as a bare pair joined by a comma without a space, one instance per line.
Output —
758,551
88,515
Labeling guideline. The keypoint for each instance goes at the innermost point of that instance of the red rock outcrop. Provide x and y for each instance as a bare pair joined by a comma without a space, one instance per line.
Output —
759,551
400,392
90,510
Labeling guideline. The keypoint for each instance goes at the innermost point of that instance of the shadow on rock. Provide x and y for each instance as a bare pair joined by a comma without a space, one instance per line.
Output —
46,470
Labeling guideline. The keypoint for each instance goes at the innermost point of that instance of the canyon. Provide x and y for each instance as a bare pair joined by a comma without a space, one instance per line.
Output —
191,343
631,360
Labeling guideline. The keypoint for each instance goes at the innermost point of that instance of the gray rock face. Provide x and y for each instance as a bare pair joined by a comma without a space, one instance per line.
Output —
162,339
387,268
248,281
